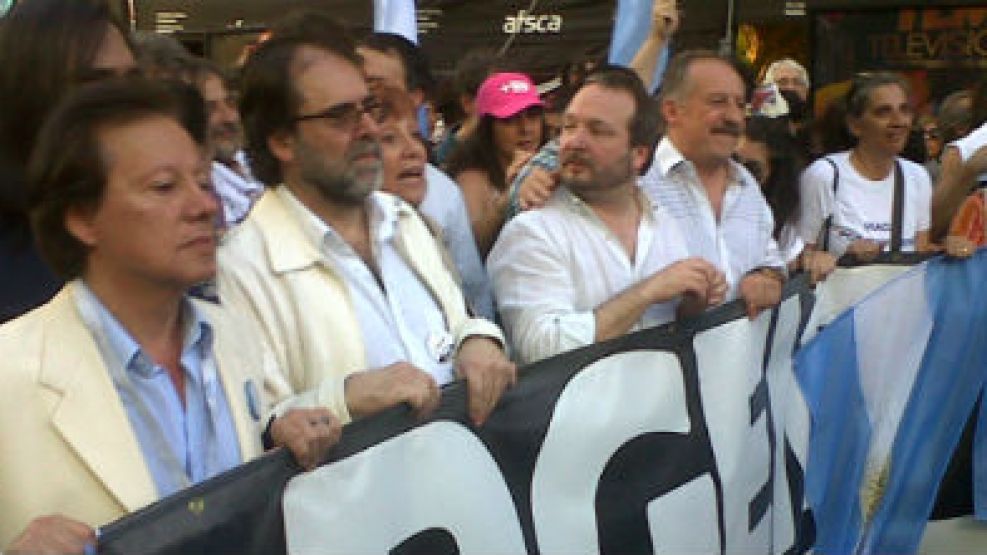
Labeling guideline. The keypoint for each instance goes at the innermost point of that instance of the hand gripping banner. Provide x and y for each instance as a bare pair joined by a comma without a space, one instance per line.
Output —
689,437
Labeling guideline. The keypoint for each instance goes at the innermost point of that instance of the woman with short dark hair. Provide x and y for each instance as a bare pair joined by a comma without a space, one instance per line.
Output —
848,197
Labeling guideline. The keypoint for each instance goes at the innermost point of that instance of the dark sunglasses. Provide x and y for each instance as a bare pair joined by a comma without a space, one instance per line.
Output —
347,114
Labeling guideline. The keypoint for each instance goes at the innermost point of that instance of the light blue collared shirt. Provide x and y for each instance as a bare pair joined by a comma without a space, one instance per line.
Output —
444,203
181,445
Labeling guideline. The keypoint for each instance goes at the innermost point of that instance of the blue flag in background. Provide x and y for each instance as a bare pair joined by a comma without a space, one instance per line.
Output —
396,16
630,28
889,385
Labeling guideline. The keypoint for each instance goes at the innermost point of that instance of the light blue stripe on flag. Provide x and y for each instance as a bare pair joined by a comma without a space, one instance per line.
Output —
630,28
915,369
396,16
827,372
952,375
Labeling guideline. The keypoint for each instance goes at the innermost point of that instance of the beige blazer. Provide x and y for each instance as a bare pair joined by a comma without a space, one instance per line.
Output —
67,443
272,274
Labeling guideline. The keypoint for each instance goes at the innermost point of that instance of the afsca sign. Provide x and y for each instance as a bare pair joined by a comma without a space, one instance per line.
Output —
525,22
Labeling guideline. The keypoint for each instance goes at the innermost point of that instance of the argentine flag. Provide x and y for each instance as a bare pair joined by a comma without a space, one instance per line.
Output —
630,27
889,385
398,17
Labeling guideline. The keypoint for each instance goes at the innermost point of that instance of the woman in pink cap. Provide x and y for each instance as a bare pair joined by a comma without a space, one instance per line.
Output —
511,129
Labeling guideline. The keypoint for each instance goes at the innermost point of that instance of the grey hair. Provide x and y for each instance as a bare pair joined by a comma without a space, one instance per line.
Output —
770,74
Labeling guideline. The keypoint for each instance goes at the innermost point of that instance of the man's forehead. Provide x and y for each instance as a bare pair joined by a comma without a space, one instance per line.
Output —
709,75
602,101
310,62
788,72
387,66
214,87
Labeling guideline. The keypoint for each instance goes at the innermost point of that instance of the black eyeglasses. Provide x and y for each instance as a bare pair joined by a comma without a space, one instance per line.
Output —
347,115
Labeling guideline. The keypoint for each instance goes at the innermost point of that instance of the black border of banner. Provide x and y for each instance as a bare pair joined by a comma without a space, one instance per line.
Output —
204,508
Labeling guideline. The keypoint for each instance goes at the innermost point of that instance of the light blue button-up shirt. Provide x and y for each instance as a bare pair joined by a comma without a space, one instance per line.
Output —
181,445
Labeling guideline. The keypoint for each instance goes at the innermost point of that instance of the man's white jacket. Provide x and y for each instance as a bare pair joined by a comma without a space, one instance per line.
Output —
272,273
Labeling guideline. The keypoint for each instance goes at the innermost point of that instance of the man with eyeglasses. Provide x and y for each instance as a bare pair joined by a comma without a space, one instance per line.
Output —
346,282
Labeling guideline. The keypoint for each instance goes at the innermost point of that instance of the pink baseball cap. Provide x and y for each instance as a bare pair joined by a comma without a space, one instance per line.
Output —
503,95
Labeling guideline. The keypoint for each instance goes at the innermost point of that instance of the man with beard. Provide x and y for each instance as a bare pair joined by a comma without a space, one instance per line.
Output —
599,259
695,179
235,185
347,283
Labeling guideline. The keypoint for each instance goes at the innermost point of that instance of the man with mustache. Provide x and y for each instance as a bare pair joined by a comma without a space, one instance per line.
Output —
599,259
235,185
695,179
346,282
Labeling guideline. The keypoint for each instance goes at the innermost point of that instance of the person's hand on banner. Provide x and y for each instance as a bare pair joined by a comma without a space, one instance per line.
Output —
53,534
482,363
761,289
372,391
307,433
699,284
864,250
958,246
818,264
537,188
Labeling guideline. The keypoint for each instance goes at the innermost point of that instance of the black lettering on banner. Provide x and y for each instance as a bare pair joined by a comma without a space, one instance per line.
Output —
609,449
636,475
760,404
435,541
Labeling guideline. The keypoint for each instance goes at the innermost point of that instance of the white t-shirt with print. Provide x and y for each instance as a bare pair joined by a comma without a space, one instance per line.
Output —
862,206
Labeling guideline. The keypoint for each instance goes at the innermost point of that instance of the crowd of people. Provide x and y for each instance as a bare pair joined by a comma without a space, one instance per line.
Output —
200,263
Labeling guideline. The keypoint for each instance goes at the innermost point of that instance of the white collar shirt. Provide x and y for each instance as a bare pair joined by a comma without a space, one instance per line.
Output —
237,192
399,318
741,240
553,266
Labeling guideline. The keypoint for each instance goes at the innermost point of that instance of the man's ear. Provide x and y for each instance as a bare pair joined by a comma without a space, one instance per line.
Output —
639,156
417,97
669,110
79,222
853,126
282,145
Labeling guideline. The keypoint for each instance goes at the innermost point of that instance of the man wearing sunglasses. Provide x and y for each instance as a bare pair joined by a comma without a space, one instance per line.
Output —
346,282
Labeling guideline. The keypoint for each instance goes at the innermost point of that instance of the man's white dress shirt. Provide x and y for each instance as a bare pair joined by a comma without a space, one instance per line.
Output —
236,191
551,268
736,243
398,315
